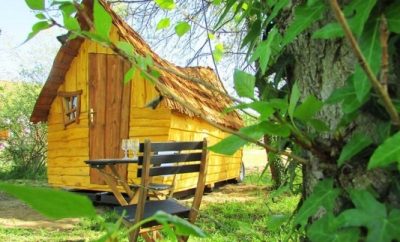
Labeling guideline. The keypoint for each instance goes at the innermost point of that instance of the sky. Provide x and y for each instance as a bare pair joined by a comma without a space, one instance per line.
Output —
16,20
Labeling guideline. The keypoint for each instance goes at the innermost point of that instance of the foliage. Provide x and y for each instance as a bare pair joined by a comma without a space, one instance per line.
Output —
57,204
261,218
52,203
297,118
217,219
24,152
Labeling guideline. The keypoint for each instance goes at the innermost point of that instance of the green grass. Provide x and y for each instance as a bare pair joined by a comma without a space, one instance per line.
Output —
247,221
250,220
18,234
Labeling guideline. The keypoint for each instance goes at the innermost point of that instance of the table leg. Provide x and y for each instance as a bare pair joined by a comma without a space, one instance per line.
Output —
113,185
122,182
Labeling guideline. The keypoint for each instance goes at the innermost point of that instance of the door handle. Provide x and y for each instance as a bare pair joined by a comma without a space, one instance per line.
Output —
91,114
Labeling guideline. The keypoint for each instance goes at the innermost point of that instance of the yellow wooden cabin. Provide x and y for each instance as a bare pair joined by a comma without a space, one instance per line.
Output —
89,110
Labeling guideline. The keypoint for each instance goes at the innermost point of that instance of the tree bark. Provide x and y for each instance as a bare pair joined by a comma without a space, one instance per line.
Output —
319,67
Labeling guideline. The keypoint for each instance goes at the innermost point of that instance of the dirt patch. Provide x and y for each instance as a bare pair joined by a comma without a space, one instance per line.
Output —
15,214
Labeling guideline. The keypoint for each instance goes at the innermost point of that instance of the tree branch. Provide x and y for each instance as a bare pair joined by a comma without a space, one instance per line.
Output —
382,92
384,37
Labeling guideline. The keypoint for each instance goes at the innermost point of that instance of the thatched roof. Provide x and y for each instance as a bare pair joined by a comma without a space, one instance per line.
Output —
209,103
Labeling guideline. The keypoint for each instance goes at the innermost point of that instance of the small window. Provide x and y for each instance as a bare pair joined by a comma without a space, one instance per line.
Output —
71,106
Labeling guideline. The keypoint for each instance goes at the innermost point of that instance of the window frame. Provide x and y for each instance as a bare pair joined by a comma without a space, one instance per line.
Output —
66,98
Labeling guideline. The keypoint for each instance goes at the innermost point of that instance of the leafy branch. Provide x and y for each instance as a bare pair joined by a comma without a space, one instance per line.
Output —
379,88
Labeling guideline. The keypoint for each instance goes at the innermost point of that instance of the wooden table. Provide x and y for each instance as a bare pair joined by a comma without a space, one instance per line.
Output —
113,179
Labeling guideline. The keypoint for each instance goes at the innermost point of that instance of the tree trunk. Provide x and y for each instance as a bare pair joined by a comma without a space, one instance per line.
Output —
319,67
274,166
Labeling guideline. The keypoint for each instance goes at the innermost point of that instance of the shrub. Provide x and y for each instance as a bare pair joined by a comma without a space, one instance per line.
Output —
23,154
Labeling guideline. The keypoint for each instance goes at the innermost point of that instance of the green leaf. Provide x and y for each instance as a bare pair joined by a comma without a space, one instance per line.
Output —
356,144
232,143
52,203
244,83
253,34
279,104
275,221
36,28
40,16
294,99
71,23
163,23
362,10
35,4
387,153
356,12
93,36
265,109
351,104
263,51
371,48
102,20
182,28
275,129
329,31
324,195
393,17
216,2
67,8
218,52
166,4
126,47
182,226
308,108
327,229
278,6
303,18
340,94
318,125
368,212
227,8
129,74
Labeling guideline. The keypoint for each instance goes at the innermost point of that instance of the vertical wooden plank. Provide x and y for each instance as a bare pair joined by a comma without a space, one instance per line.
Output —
92,46
113,107
70,77
126,102
143,188
82,76
201,182
97,88
125,111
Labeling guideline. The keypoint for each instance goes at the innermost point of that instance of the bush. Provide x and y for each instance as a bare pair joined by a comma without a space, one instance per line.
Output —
23,153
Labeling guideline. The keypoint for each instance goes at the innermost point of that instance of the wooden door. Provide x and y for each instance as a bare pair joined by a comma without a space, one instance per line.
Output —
109,101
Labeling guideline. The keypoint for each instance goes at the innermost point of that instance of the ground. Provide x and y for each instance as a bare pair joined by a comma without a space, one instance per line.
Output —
18,222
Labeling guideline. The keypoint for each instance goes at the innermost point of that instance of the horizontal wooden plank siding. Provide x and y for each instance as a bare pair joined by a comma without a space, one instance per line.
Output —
221,167
68,147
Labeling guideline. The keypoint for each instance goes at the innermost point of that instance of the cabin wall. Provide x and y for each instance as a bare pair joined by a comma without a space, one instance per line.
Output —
68,147
221,167
146,123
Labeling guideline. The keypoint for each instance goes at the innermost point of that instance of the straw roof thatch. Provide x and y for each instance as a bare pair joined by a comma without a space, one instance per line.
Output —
206,101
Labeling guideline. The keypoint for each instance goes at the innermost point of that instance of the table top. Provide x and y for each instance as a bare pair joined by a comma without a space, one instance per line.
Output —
99,163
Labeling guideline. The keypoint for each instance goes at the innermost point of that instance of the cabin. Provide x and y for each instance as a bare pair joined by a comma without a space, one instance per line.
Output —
89,109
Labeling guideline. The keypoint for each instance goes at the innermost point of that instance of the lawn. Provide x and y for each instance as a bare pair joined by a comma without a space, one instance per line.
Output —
234,212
